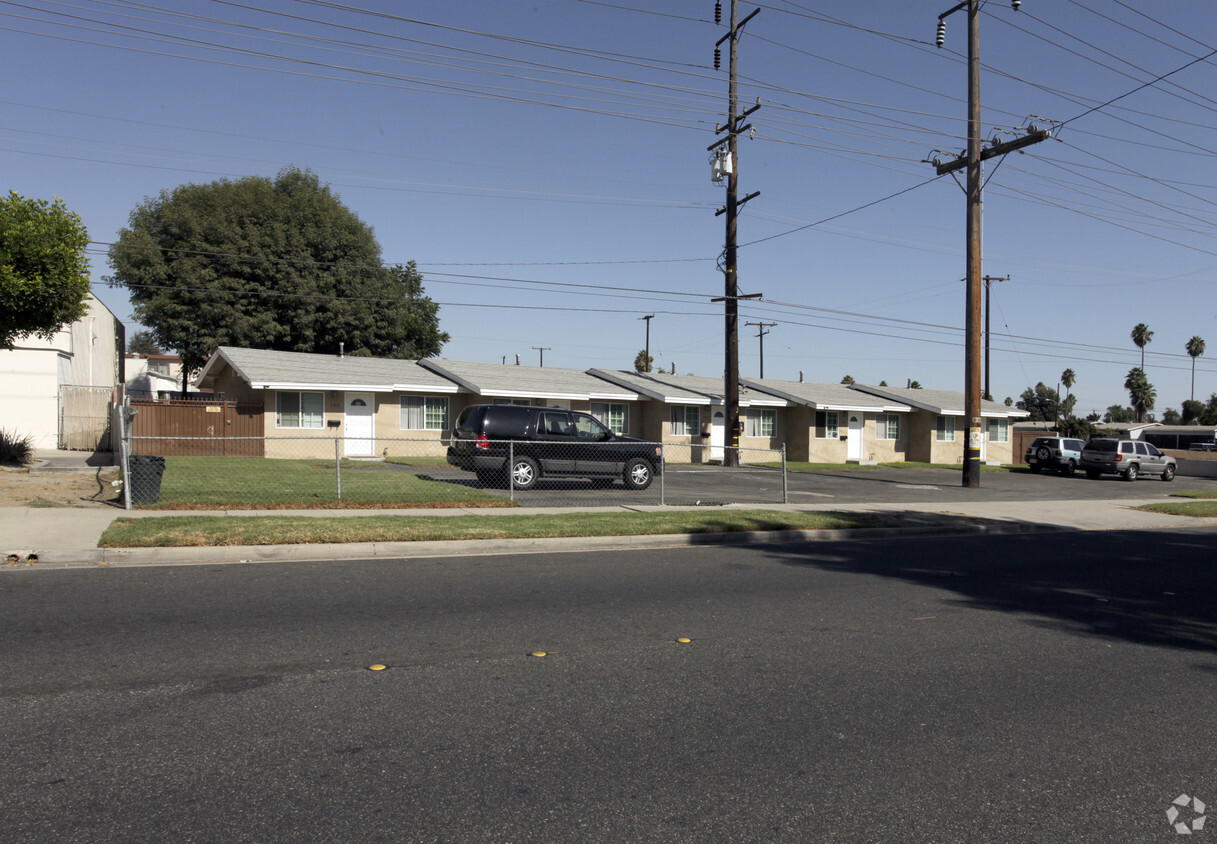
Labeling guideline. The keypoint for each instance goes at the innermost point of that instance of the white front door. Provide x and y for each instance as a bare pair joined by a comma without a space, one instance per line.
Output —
359,427
718,434
853,438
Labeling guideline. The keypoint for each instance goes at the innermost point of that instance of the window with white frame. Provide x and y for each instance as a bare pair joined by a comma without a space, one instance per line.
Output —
944,430
999,430
887,426
299,409
424,413
760,422
827,425
615,417
685,420
521,402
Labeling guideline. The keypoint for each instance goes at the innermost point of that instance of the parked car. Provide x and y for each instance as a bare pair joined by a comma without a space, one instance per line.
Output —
1060,453
1127,458
547,442
1208,446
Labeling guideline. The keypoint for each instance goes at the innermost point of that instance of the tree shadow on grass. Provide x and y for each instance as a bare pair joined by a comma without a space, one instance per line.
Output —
1156,588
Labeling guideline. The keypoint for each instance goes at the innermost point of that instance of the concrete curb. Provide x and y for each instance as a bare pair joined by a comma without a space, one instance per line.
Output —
227,554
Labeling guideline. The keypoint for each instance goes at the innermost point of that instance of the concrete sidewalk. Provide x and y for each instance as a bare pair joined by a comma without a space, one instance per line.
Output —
69,536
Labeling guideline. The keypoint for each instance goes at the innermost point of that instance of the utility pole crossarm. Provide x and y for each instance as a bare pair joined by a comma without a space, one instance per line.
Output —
995,150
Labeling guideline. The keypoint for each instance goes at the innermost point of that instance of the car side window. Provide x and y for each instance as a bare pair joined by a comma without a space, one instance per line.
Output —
1076,445
555,424
589,428
1153,450
1126,448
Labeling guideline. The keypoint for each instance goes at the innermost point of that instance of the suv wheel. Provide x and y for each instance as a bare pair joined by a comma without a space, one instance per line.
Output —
638,474
1168,472
1130,474
524,473
1069,468
1043,453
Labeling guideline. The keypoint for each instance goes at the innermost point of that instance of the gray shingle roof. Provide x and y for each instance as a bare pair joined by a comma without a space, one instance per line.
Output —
944,402
687,389
490,379
300,370
828,396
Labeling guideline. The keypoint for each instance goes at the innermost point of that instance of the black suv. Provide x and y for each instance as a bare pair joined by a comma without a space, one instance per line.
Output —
547,442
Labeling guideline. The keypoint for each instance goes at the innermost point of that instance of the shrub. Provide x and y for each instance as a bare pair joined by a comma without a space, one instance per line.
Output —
15,450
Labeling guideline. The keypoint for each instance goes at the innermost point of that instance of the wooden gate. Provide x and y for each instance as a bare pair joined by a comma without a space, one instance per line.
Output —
194,428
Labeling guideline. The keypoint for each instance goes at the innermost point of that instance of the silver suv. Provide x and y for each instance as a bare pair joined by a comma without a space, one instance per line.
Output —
1128,458
1061,453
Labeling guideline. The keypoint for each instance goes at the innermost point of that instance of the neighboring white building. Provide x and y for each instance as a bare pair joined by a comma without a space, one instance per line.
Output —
155,377
60,391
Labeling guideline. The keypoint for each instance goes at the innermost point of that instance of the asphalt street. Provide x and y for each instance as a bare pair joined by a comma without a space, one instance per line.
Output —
1034,687
684,485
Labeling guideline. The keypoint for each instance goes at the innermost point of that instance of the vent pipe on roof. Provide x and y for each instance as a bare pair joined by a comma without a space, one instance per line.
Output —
340,349
800,376
517,359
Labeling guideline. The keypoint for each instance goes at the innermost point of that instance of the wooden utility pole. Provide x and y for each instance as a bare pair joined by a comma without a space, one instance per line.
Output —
972,160
988,280
733,128
542,350
646,359
761,332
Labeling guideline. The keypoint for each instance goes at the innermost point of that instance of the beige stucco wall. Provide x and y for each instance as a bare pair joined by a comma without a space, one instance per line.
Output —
885,451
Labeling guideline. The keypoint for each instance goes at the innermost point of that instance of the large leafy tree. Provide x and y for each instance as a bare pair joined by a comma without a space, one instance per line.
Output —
44,274
143,343
1042,403
1141,393
1191,412
270,264
1195,348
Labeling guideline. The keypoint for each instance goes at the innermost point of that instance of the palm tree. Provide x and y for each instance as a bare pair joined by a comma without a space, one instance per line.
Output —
1195,348
642,363
1141,335
1068,378
1141,393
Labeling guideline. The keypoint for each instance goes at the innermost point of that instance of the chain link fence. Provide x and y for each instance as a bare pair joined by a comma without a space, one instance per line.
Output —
334,472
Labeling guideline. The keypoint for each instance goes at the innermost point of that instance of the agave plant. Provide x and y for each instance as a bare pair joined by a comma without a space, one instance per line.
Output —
16,450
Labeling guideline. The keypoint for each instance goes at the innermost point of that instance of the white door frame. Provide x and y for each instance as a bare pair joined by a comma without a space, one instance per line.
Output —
718,433
359,424
853,437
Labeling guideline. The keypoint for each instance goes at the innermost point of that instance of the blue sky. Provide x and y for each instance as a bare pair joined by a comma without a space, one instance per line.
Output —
545,164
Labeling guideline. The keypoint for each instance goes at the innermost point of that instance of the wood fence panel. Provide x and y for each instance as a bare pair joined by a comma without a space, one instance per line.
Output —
198,428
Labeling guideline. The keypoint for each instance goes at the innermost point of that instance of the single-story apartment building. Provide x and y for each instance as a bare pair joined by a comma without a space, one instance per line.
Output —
385,407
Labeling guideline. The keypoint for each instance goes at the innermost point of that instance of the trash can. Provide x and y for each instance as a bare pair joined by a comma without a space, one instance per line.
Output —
145,480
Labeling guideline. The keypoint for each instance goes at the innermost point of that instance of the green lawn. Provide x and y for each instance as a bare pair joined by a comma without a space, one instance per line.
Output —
261,483
1200,509
171,531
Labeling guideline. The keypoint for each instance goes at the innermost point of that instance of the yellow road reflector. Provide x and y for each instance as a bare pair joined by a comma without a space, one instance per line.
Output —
538,653
377,667
684,641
